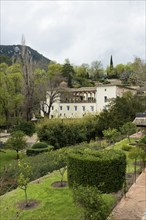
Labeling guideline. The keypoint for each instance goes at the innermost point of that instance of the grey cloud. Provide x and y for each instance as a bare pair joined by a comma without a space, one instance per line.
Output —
81,31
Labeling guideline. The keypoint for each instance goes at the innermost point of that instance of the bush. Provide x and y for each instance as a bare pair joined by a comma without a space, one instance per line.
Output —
27,127
104,169
95,204
126,147
143,140
38,148
39,145
33,152
61,133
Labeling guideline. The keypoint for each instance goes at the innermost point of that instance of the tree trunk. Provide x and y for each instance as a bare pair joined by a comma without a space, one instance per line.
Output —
17,155
26,199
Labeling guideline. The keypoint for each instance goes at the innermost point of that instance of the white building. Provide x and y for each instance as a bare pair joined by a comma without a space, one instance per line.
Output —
76,102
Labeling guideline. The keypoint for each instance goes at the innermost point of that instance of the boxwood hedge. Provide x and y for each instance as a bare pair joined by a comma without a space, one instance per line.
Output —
104,169
38,148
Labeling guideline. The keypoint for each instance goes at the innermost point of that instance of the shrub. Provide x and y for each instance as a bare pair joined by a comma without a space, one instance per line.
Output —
143,139
27,127
61,133
95,204
104,169
39,145
35,151
41,164
126,147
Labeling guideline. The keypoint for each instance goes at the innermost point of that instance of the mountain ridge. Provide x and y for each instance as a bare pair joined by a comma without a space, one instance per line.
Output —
14,50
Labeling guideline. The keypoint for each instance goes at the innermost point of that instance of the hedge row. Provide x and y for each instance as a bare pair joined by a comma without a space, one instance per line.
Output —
61,133
104,169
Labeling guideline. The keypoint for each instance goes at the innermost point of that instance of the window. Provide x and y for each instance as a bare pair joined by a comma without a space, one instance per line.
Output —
67,107
61,108
76,108
52,107
105,90
83,108
105,98
92,108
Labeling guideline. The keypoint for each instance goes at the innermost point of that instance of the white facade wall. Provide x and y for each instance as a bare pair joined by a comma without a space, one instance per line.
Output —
72,110
103,96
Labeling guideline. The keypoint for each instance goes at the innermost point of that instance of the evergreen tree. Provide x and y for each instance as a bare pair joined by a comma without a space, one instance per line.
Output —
111,64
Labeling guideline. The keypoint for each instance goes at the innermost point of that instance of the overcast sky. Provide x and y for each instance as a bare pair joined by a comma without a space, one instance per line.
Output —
83,31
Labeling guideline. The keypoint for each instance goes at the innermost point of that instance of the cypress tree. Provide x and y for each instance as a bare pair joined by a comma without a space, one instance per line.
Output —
111,63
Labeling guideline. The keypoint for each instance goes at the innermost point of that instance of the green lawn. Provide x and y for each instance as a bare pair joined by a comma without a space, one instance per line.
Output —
7,157
54,203
130,162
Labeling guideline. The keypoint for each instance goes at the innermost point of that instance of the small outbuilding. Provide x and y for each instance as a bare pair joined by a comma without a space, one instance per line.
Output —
140,121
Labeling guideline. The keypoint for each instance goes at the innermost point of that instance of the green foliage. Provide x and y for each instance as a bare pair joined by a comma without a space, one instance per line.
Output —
10,93
97,168
136,153
38,148
143,139
23,179
16,141
27,127
60,133
95,204
128,129
112,135
5,59
52,203
117,115
39,145
33,152
126,147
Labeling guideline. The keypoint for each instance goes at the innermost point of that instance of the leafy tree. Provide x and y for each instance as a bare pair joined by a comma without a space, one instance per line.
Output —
62,161
5,59
111,134
138,74
128,129
51,87
96,71
10,92
136,153
16,142
23,179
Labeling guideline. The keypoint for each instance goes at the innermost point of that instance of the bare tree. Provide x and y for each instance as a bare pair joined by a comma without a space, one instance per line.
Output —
27,66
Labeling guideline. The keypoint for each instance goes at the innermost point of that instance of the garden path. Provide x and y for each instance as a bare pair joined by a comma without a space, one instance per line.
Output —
133,207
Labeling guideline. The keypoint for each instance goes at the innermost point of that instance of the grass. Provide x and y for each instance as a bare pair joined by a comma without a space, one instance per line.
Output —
7,157
130,165
54,203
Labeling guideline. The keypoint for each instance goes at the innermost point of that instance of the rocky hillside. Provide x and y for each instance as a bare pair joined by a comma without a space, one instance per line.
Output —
15,50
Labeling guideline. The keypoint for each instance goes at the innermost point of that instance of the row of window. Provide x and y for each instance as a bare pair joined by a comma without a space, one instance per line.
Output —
75,107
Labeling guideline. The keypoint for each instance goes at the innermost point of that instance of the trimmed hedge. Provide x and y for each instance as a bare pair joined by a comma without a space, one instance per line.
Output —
104,169
39,145
38,148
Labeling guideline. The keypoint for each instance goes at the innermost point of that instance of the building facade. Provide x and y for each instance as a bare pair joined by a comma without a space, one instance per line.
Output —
76,102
